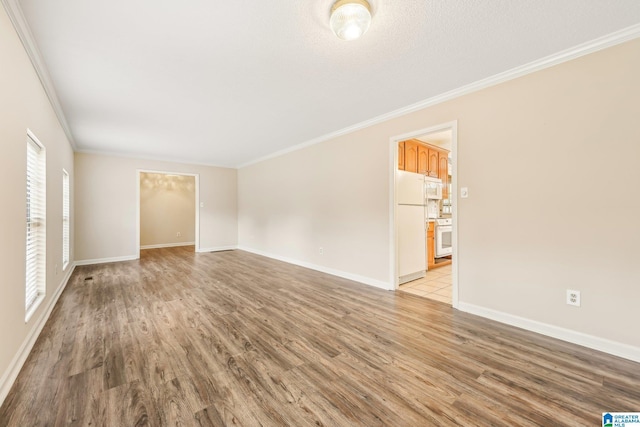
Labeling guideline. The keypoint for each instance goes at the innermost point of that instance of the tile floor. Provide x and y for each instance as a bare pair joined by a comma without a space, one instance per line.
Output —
435,285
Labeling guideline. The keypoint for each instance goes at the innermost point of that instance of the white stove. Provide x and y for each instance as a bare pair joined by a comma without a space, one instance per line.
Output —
444,221
443,239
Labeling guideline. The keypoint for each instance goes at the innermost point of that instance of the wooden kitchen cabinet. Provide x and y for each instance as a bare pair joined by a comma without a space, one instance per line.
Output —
443,172
432,169
423,159
411,156
414,156
431,245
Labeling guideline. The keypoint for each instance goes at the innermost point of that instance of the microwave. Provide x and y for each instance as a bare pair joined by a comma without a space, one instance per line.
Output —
433,188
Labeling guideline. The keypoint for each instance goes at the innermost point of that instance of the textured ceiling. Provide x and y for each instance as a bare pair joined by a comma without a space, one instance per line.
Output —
228,82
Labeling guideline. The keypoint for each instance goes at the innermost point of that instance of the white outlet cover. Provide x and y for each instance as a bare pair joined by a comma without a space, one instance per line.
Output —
573,297
464,192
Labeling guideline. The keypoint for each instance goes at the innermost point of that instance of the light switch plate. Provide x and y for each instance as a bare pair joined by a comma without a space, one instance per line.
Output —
464,192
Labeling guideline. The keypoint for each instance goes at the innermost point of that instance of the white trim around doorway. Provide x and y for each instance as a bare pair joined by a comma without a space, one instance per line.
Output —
393,166
197,190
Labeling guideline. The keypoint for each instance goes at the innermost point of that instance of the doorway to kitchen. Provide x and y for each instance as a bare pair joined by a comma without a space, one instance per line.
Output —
167,210
425,244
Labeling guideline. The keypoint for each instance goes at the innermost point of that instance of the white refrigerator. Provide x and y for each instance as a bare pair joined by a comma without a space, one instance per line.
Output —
412,247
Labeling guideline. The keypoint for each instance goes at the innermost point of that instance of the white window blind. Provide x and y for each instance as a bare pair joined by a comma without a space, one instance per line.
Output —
36,225
65,219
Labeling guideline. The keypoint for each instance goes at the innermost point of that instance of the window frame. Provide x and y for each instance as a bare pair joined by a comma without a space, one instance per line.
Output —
35,225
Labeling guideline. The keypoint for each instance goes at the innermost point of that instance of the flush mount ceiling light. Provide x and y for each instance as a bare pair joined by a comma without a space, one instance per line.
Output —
350,19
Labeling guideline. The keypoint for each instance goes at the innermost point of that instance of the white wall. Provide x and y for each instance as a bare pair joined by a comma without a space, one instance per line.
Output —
167,207
24,104
551,162
106,205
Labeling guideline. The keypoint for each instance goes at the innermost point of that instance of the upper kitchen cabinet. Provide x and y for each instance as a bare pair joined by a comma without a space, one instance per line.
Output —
443,173
411,156
415,156
433,163
423,159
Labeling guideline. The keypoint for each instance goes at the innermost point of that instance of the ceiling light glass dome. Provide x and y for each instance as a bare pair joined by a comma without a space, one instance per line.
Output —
350,19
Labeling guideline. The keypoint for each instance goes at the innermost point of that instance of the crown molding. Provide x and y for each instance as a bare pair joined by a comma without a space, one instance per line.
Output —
583,49
14,11
139,156
16,15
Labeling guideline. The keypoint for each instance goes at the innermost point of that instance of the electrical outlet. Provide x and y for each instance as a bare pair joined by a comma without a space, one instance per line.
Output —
320,250
178,234
573,297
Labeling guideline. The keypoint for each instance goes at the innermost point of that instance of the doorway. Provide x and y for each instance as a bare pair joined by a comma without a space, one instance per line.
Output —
167,210
431,152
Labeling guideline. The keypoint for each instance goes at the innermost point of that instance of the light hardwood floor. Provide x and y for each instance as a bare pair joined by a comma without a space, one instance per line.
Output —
232,338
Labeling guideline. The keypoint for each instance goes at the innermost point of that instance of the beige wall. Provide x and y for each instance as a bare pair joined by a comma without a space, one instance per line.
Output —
167,207
333,195
106,204
551,162
24,104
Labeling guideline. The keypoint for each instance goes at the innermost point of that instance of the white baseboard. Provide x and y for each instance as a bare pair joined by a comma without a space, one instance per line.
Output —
10,375
105,260
596,343
345,275
218,249
167,245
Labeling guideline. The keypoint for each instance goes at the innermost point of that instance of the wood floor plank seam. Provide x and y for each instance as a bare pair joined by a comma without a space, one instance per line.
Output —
236,339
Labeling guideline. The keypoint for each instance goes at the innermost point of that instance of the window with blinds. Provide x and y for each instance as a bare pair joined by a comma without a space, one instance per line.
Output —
65,219
36,229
